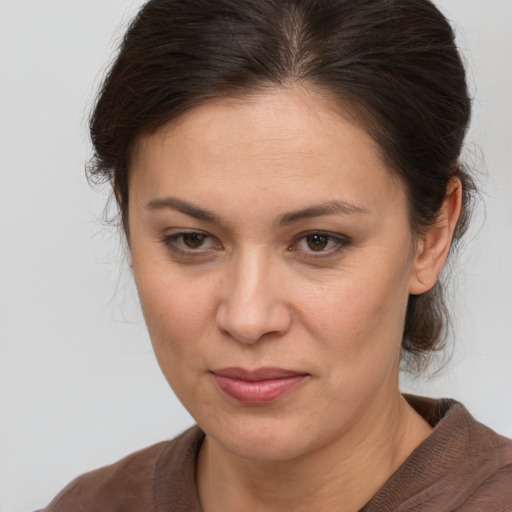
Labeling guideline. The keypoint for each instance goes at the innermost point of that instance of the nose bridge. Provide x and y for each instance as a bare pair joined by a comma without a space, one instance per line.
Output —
251,305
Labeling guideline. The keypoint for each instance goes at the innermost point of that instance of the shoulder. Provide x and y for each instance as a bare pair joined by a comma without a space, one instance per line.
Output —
493,494
488,482
462,466
471,465
128,484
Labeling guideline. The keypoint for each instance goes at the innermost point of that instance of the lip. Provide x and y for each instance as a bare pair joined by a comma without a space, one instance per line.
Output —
257,387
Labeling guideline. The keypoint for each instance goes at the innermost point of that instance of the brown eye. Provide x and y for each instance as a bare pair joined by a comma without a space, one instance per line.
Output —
191,243
317,242
193,240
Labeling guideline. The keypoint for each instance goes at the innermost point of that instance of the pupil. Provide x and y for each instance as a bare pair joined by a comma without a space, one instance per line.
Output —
193,240
317,242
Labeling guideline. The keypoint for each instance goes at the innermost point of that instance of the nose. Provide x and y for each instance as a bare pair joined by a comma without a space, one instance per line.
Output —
252,307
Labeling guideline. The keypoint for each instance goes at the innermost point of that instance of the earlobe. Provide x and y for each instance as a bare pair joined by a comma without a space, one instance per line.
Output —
433,247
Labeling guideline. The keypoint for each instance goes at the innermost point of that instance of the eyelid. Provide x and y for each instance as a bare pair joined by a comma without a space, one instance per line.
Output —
169,239
342,241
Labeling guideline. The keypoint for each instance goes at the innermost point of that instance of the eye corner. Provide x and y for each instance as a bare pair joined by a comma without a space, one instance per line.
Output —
319,244
193,243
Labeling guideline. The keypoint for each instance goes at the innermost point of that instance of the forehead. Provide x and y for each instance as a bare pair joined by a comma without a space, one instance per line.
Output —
292,142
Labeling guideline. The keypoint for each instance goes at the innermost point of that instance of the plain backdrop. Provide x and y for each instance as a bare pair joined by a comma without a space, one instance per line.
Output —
79,385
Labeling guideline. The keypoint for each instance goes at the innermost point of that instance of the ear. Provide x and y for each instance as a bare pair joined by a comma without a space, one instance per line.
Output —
433,247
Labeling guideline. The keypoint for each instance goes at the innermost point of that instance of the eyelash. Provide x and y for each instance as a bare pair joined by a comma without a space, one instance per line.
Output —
170,241
340,242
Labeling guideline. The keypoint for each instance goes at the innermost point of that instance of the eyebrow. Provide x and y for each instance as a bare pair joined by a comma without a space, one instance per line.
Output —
192,210
335,207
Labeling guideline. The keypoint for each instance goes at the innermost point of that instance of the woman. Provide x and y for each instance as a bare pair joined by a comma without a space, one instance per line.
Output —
288,180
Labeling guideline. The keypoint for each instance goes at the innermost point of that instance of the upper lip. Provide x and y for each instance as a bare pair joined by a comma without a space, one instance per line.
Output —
266,373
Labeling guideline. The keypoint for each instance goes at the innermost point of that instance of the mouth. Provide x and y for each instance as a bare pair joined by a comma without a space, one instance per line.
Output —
257,387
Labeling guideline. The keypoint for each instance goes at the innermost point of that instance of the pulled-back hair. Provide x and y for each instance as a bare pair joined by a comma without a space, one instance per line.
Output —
394,62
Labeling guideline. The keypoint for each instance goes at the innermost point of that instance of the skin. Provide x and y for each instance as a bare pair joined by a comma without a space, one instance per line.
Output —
251,290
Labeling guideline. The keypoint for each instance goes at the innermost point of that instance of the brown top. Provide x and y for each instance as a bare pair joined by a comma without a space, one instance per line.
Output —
462,466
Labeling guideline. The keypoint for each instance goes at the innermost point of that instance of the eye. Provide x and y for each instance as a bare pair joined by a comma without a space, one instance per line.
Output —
319,242
191,242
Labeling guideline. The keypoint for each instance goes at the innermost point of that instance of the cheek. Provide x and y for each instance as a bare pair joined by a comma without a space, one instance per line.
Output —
360,314
355,309
177,310
178,318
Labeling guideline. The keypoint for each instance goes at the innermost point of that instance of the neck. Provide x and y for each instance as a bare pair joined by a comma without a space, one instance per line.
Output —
347,471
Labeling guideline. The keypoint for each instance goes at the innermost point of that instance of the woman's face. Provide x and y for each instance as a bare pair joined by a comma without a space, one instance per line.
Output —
273,258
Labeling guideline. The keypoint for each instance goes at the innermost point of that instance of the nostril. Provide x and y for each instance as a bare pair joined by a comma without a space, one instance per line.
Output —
249,324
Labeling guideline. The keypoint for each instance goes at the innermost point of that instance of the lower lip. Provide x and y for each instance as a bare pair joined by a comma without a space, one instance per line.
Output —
258,392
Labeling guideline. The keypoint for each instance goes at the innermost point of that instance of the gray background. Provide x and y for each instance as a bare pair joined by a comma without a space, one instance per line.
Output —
79,385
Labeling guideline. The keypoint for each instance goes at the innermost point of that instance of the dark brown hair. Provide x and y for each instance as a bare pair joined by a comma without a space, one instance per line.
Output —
393,61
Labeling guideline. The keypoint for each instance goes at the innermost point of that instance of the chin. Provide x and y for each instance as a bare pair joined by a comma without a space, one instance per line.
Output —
269,440
263,450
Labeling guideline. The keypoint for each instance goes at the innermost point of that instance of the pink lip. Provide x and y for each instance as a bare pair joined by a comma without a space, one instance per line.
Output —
256,387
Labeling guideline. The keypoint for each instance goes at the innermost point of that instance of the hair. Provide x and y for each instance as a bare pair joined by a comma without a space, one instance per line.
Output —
393,62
